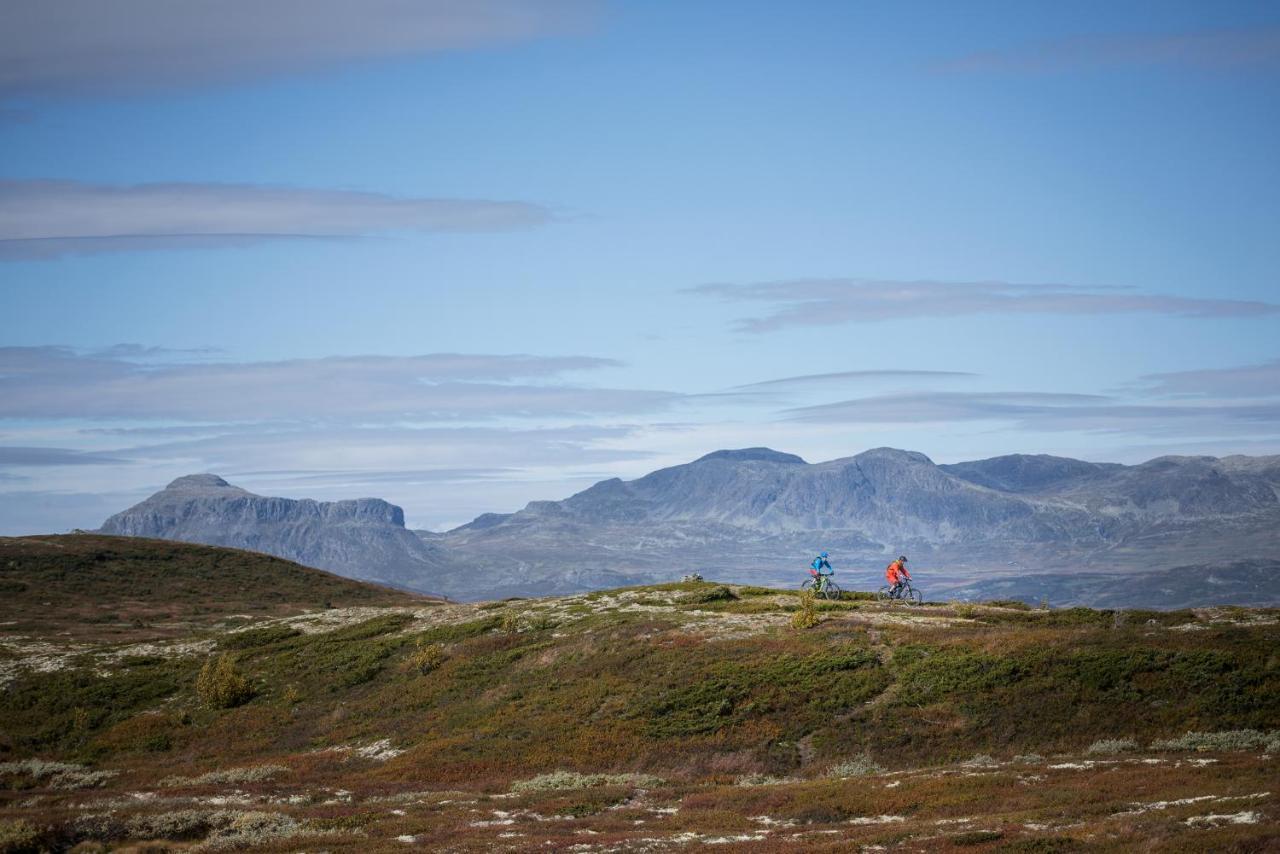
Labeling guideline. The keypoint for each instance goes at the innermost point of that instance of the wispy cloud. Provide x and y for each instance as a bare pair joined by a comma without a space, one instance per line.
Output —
829,302
1046,411
1261,380
87,47
16,457
47,219
1217,49
857,376
51,382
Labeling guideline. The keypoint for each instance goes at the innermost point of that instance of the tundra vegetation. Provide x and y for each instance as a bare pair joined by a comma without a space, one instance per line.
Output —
652,718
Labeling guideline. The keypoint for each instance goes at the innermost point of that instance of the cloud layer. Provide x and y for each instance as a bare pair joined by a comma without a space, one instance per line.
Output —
829,302
53,382
1050,412
1262,380
43,219
88,47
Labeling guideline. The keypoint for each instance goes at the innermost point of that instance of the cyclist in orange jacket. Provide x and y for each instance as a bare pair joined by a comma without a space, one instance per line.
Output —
897,575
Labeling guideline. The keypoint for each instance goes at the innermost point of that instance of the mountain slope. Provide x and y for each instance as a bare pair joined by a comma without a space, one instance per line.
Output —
364,538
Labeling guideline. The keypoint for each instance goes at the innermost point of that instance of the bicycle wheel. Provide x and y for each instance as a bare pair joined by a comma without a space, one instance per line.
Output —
831,590
912,596
808,584
883,594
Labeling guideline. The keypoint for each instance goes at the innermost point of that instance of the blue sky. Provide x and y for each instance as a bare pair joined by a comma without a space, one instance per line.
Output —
984,227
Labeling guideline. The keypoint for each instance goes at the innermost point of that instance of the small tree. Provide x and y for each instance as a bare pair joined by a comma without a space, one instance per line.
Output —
221,686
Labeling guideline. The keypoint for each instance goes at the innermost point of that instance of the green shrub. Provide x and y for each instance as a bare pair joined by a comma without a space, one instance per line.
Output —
751,590
426,658
251,774
263,636
18,837
558,780
1112,746
976,837
221,686
719,593
1240,739
859,766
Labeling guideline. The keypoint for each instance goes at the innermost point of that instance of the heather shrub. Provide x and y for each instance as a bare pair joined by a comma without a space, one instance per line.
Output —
859,766
17,836
221,686
1239,739
61,775
573,780
719,593
1028,759
762,780
250,774
1112,746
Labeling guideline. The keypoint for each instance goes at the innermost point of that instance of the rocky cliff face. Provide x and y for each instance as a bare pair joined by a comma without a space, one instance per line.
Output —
364,538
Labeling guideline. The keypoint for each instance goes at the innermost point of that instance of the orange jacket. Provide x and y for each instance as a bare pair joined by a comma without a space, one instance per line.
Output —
896,572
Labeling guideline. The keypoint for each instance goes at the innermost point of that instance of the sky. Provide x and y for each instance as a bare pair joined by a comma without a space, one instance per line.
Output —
464,254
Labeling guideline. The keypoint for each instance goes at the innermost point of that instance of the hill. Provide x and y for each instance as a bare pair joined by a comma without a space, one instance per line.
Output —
654,718
101,588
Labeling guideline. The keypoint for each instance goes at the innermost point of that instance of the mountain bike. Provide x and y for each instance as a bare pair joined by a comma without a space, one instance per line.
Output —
824,587
908,594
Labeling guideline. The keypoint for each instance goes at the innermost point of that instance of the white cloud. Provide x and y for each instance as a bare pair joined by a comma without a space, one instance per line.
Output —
45,219
51,382
829,302
1261,380
90,47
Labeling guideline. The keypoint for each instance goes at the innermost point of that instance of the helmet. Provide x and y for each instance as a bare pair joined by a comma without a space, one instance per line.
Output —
824,554
902,558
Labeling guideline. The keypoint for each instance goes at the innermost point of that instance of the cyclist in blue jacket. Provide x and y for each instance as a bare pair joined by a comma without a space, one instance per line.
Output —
818,564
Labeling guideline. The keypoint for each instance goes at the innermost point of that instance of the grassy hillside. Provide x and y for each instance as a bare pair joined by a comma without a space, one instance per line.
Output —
653,719
101,587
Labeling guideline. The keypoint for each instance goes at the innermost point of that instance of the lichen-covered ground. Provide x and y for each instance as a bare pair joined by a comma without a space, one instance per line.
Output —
660,718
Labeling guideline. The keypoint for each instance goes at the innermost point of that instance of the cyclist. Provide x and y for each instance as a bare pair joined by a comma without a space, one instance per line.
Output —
897,575
819,577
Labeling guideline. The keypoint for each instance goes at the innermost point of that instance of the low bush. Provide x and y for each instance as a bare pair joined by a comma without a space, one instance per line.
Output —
859,766
264,636
425,658
1112,746
719,593
807,616
1239,739
221,686
560,780
250,774
18,836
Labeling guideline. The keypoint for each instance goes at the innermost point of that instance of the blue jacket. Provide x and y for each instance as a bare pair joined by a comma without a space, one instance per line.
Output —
819,562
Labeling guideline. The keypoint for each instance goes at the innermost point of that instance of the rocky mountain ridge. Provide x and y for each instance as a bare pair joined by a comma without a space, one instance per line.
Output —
754,515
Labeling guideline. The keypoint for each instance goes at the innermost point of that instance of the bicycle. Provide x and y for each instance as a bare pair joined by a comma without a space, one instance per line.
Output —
823,586
908,594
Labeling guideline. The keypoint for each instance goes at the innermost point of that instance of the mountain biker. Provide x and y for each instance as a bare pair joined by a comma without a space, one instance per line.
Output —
815,569
897,575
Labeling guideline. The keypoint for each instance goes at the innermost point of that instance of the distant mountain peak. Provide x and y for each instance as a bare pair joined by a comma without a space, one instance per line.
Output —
894,453
767,455
200,481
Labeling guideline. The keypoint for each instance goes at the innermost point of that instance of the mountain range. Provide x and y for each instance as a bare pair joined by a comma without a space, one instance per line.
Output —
756,515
